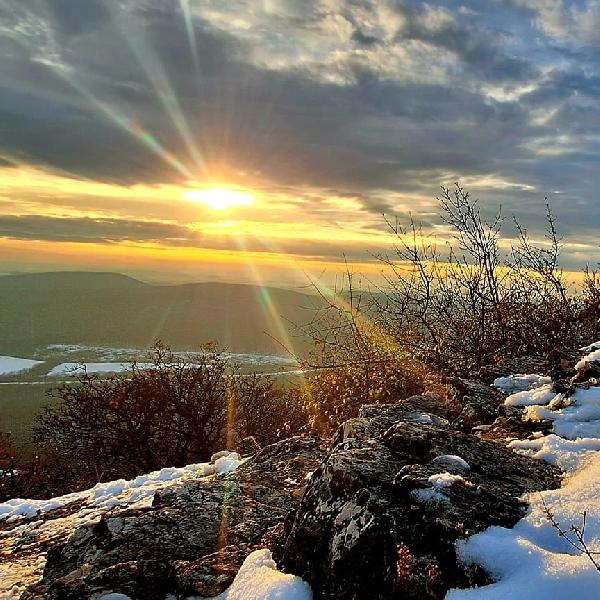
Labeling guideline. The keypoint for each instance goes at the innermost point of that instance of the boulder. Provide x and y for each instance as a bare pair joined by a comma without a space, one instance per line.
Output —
381,515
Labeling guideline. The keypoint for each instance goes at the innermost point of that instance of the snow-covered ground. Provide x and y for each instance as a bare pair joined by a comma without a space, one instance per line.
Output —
519,383
113,355
72,369
100,359
18,573
258,578
11,365
532,561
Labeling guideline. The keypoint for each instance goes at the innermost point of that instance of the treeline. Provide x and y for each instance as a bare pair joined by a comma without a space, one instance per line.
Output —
445,309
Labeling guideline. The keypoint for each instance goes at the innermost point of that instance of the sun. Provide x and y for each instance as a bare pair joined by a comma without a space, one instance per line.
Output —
220,198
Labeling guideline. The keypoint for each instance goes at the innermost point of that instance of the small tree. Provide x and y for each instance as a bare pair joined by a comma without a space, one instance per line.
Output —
176,412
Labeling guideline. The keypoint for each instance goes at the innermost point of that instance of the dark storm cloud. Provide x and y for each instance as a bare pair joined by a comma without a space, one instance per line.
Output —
359,96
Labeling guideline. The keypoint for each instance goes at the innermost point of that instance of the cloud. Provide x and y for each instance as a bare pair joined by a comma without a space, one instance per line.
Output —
89,230
353,97
118,231
567,21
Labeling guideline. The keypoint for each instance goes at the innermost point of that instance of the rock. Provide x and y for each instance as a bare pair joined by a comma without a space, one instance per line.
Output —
380,515
372,514
193,538
519,364
479,403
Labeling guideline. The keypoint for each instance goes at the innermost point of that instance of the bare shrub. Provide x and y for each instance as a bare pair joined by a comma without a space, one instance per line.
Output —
574,536
470,305
447,309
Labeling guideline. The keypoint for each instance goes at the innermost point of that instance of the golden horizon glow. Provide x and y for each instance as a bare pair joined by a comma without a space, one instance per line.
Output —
220,198
196,229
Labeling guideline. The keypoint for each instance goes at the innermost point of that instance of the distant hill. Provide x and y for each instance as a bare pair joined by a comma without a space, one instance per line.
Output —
109,309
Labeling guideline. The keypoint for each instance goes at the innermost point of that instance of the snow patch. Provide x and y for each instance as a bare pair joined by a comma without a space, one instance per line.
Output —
429,496
531,561
11,365
520,383
591,347
592,356
121,492
17,574
579,418
440,481
539,395
72,369
259,579
568,455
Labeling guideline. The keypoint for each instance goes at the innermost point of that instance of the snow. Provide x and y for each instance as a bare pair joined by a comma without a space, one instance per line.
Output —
121,492
539,395
227,464
73,369
579,419
259,579
531,561
10,365
426,419
120,353
439,481
429,496
519,383
568,455
452,462
594,355
591,347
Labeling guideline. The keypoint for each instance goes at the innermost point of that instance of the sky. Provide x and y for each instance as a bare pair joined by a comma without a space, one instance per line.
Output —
244,140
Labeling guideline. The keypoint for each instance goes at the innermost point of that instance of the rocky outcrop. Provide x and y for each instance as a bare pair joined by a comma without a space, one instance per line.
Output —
381,515
373,513
191,541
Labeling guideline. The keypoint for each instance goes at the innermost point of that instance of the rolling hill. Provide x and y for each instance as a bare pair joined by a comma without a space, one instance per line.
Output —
109,309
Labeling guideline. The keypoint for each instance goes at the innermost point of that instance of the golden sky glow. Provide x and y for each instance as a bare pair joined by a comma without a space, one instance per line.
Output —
195,231
182,232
